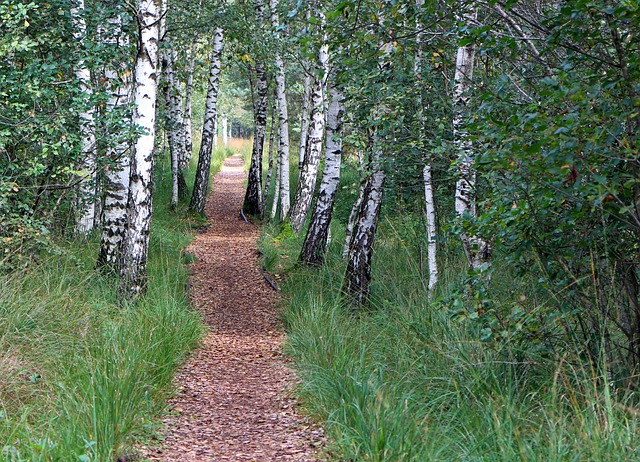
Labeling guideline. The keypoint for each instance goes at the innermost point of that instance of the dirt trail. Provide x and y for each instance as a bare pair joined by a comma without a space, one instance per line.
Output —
232,402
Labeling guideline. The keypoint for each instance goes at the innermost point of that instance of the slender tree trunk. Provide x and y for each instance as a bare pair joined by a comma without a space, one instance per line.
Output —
317,238
270,168
304,120
225,131
351,224
276,192
118,154
188,94
174,124
209,127
478,251
283,117
357,280
85,198
309,170
253,195
135,246
429,201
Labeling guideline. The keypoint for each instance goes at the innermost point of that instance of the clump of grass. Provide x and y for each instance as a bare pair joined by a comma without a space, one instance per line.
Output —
82,377
406,381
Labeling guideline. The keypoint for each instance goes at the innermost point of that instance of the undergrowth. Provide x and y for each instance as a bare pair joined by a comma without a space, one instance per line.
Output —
81,376
407,380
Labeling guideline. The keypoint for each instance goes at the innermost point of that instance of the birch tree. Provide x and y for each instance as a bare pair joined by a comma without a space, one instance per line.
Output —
174,123
252,204
429,200
188,96
316,240
477,250
309,171
201,183
135,245
116,176
283,122
85,201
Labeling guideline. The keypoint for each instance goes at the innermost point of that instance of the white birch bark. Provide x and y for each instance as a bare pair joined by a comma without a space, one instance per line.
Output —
429,200
304,119
283,118
118,152
357,279
317,238
188,96
253,197
85,200
477,250
174,125
309,168
209,126
276,192
135,246
225,131
351,224
270,164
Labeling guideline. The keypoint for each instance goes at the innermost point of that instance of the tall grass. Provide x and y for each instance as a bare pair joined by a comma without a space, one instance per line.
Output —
82,377
406,381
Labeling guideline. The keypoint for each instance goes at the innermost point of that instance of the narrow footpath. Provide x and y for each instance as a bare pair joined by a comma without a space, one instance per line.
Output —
232,401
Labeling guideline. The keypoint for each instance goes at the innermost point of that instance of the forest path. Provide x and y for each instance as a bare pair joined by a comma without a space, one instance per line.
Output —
232,401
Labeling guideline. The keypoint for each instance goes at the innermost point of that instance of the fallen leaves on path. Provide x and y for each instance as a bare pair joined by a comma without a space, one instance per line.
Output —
232,402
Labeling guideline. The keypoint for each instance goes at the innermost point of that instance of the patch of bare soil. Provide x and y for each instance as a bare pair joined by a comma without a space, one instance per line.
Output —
233,401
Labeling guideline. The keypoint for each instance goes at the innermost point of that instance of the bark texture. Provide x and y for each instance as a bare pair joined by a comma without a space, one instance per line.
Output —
253,197
357,280
174,124
478,251
188,96
316,240
85,199
118,154
283,119
429,200
201,183
309,170
135,246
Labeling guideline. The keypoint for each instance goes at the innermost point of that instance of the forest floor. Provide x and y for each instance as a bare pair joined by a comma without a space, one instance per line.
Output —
234,398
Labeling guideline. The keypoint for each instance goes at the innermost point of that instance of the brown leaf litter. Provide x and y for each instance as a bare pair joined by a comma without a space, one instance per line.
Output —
234,401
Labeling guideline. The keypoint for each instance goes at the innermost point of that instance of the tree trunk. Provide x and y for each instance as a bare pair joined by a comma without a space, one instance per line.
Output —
309,171
225,131
188,94
353,217
135,245
429,201
118,154
270,168
253,196
174,124
478,251
85,199
357,280
304,120
316,240
283,119
208,129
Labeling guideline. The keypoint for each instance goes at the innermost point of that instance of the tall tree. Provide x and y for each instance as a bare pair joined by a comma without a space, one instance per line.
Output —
309,171
209,127
478,250
135,245
85,201
174,122
429,199
316,240
118,152
283,121
253,196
